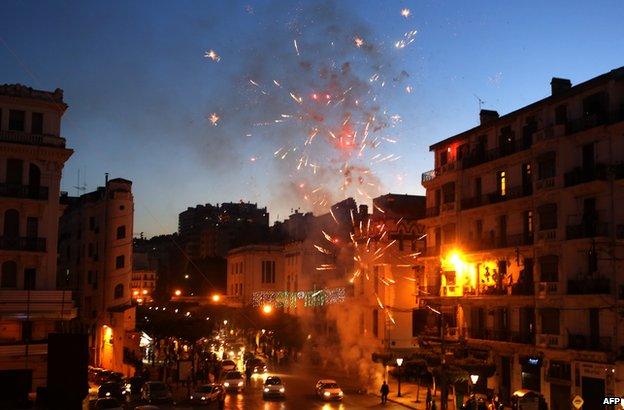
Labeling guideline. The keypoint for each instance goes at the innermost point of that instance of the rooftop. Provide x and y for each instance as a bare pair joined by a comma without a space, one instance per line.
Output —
21,91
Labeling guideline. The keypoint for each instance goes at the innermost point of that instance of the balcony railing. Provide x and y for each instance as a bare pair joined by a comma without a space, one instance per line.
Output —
21,137
23,244
595,120
23,191
589,286
431,174
515,240
587,230
433,211
477,158
496,197
584,342
580,176
501,335
432,290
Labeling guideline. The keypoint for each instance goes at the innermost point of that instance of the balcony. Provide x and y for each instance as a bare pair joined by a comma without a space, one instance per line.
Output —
547,235
496,197
584,342
501,335
543,289
580,176
509,241
545,183
433,211
478,158
596,119
23,244
546,340
587,230
589,286
55,304
23,191
21,137
432,174
550,132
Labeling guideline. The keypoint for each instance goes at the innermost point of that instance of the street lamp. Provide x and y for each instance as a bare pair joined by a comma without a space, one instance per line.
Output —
216,297
267,309
177,292
399,362
474,378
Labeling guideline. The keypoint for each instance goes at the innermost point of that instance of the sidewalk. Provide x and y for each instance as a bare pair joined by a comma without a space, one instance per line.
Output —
409,398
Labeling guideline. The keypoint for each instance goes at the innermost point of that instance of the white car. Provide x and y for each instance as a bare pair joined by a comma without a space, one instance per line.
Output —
273,387
234,381
328,389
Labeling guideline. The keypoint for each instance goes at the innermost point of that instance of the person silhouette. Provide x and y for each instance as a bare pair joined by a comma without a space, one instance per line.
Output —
384,392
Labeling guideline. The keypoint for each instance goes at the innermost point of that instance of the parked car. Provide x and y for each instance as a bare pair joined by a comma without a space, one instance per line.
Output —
273,387
132,388
234,381
108,403
228,365
110,390
208,393
328,389
156,392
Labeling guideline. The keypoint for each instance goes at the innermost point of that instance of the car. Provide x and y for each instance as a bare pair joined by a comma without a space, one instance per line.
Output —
228,365
273,387
256,365
107,403
208,393
234,381
110,390
328,389
156,392
132,388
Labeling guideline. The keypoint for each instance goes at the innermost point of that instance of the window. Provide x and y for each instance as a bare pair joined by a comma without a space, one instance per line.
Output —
36,124
477,187
16,120
546,165
375,323
27,326
528,222
11,224
95,280
120,261
119,291
14,171
443,157
268,271
34,176
92,223
549,268
122,207
501,183
90,277
550,321
90,250
32,227
547,216
449,234
30,278
448,192
121,232
479,228
561,114
9,275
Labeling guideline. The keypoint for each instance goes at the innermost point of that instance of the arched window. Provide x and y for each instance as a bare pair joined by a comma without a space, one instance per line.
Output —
11,223
9,275
119,291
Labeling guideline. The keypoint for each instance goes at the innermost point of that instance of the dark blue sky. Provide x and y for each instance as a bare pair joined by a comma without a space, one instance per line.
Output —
140,90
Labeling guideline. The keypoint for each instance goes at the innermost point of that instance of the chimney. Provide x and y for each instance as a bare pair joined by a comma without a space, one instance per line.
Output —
559,85
486,116
363,210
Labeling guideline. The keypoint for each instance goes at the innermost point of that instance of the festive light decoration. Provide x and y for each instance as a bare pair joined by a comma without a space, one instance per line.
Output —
310,298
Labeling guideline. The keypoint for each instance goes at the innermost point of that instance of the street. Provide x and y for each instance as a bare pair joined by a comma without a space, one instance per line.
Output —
300,394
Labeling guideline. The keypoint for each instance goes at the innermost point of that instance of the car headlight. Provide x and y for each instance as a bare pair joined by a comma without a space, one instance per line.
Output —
282,390
107,394
326,394
226,384
191,397
240,384
266,389
203,398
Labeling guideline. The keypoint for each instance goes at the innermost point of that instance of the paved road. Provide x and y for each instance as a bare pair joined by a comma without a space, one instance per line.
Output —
300,395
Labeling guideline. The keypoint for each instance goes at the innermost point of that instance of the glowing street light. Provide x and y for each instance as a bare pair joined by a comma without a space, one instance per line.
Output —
178,292
267,309
216,297
225,323
399,362
474,378
145,291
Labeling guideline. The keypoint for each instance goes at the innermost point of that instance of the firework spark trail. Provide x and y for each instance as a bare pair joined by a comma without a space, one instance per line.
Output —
323,250
296,46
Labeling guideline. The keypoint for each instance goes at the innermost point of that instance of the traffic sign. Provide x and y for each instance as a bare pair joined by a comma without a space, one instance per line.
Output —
577,401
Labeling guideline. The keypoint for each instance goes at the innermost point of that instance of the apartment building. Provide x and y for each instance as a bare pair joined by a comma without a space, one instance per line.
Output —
95,261
32,156
526,242
143,279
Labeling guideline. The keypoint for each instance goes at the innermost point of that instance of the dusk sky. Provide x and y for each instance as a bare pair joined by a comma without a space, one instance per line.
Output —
140,91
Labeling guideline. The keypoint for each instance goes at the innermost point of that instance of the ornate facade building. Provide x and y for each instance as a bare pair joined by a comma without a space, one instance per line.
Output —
526,242
32,156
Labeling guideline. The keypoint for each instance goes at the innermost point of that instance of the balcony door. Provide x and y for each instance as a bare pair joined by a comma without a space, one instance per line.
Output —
34,176
594,328
527,179
589,158
14,171
11,224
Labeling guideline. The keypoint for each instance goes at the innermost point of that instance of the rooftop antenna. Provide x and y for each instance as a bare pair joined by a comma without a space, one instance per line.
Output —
81,189
480,101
